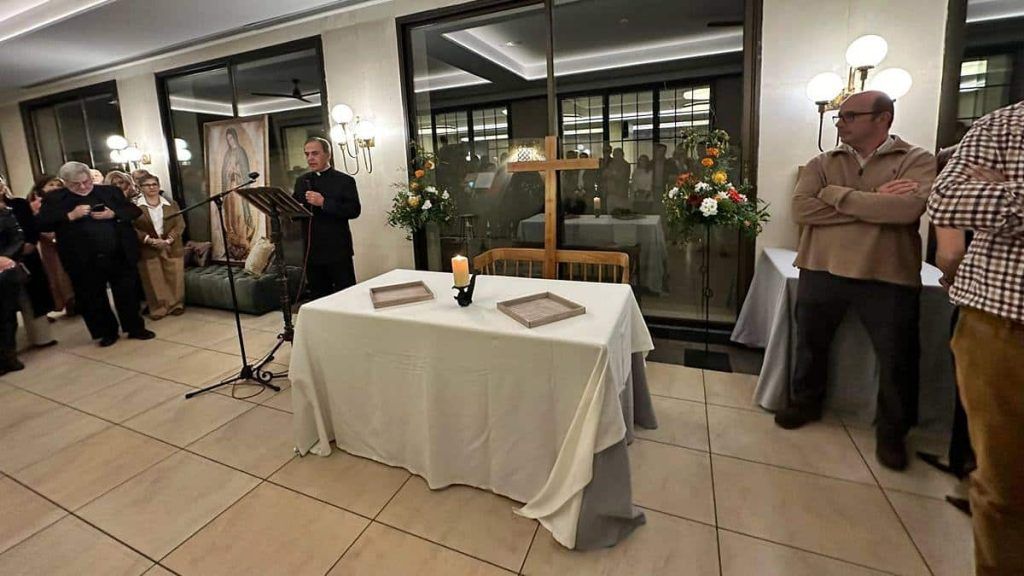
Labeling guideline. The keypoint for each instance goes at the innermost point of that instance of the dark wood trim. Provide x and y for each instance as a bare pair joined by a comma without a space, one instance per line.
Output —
753,24
953,56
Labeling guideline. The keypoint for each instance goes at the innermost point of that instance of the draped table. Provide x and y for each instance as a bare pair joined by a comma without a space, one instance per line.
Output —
470,396
768,320
604,231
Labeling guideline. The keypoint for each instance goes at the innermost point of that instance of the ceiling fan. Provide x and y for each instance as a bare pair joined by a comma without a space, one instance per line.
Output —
295,93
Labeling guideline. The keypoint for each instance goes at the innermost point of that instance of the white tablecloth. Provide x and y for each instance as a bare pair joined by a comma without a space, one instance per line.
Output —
605,231
469,395
768,319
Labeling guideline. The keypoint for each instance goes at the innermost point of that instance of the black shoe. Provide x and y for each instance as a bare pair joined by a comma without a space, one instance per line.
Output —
794,416
108,341
892,454
142,335
9,361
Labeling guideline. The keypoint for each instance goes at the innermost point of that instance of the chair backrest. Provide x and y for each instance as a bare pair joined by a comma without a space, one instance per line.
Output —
584,265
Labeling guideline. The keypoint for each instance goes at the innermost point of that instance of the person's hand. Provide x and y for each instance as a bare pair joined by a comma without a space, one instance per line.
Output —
6,263
80,211
898,187
985,174
315,198
947,281
28,248
105,214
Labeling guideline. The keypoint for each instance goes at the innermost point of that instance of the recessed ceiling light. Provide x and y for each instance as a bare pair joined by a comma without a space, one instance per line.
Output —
513,43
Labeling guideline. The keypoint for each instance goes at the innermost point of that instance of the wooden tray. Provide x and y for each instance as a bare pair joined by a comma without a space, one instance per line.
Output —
396,294
540,309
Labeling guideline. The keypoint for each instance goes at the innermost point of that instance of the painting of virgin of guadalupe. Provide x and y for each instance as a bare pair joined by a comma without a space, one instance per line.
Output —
234,149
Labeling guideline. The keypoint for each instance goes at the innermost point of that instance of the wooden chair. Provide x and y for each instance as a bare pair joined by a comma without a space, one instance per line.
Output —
584,265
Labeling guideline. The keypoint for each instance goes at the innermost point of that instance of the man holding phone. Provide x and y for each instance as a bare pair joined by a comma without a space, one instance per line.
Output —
98,247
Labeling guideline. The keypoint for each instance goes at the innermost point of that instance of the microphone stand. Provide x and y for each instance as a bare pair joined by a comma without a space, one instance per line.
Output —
247,372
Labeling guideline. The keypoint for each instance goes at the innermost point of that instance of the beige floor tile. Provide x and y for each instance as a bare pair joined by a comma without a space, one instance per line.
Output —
87,469
196,332
819,448
72,547
39,364
730,389
182,421
383,551
198,368
20,407
840,519
743,555
665,546
151,353
5,388
357,484
258,442
38,438
941,532
281,401
675,381
257,344
158,570
270,322
70,382
918,478
165,505
24,513
680,422
673,480
473,521
271,530
130,397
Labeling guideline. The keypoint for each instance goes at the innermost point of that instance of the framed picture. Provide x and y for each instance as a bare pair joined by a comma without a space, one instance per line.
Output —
235,148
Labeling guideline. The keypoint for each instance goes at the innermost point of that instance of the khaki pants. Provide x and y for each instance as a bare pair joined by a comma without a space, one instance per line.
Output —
163,281
990,373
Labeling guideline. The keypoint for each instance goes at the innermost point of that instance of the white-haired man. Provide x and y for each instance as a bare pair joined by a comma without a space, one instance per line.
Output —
98,247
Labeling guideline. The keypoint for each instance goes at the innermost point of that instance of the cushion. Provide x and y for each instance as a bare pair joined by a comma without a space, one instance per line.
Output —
259,257
197,253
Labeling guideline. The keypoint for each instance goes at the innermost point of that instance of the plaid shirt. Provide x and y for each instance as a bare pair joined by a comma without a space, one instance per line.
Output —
991,276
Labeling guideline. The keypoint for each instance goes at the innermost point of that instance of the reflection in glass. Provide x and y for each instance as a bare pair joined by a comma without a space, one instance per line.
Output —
76,129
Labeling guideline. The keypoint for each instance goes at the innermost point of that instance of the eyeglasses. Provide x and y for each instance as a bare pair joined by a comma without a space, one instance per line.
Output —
851,116
149,185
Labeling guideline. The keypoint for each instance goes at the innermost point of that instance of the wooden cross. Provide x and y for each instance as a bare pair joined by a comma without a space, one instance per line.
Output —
550,168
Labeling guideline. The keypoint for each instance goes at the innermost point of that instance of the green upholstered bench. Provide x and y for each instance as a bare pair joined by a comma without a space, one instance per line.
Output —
208,286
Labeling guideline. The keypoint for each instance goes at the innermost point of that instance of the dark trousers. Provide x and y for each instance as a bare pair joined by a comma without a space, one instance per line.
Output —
326,278
10,288
890,313
961,455
90,284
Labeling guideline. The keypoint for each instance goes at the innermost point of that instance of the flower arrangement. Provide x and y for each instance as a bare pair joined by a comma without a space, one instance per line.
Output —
417,200
706,196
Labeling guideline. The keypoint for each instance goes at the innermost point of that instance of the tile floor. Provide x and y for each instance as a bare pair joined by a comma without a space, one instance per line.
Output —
106,469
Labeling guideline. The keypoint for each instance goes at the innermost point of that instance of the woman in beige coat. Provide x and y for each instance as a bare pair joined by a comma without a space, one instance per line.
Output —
161,256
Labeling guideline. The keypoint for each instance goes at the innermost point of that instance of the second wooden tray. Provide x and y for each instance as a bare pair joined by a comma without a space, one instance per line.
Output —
540,309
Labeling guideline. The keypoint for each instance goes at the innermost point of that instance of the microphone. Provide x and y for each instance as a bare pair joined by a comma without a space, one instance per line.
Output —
254,175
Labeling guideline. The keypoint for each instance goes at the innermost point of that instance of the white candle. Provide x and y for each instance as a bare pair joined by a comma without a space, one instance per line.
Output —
460,269
597,204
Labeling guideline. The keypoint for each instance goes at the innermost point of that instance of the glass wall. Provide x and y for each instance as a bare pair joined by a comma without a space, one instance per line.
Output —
279,88
73,126
628,80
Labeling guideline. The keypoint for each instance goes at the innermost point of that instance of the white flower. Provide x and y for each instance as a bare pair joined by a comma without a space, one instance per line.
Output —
743,198
445,195
721,196
431,189
702,187
427,205
673,192
708,207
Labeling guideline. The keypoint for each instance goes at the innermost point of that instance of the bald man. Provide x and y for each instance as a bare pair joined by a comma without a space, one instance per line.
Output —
859,208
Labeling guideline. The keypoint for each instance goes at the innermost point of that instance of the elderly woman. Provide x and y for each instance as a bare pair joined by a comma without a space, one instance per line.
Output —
34,298
60,284
122,182
161,258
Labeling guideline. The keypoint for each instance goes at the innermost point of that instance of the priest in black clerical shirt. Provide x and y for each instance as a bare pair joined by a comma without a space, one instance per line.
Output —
97,246
333,199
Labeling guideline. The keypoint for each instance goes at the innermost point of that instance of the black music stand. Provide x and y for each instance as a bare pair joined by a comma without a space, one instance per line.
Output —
276,203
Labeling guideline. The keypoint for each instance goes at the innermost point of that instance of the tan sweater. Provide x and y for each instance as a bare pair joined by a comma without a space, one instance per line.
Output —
852,231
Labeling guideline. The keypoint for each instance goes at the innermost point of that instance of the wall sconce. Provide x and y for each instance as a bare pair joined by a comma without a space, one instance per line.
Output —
828,91
354,136
122,153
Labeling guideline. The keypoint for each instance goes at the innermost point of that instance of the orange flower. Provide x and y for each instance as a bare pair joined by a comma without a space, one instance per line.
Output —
707,162
419,173
713,152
